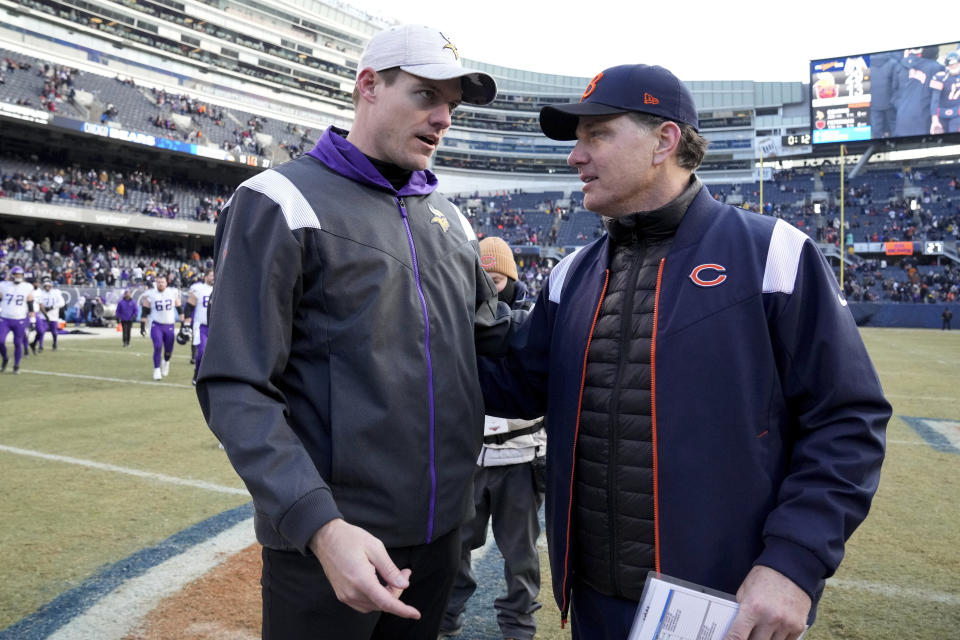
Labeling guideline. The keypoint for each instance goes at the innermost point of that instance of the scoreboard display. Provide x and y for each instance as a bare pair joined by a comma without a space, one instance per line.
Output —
889,94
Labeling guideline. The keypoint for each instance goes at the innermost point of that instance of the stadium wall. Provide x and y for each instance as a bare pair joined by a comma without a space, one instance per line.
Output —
99,217
902,316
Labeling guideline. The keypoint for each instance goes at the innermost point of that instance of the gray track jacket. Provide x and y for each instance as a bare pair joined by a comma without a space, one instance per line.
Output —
340,371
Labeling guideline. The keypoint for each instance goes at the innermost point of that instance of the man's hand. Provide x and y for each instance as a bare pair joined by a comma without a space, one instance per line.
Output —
351,560
143,329
772,607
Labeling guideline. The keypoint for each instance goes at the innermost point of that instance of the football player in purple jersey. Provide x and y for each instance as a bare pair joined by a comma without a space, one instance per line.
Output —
16,303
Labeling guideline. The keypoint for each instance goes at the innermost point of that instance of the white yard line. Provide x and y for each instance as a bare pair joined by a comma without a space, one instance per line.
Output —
104,379
910,396
898,593
125,352
125,608
148,475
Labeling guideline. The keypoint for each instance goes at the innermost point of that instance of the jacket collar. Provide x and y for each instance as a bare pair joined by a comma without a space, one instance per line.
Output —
342,157
658,223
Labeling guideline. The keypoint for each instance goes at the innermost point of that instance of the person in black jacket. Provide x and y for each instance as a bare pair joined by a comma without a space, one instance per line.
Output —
340,372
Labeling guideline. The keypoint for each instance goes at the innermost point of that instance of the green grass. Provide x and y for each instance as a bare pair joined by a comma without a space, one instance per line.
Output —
62,522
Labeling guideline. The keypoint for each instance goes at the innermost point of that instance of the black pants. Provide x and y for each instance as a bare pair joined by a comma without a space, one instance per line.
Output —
595,616
127,325
299,603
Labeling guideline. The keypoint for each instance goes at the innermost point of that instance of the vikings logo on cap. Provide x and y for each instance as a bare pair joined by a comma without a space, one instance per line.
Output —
451,46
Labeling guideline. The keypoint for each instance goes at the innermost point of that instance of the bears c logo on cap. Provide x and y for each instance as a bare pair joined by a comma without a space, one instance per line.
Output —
591,86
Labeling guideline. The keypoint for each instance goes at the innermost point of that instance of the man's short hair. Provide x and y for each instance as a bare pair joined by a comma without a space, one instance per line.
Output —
389,77
692,146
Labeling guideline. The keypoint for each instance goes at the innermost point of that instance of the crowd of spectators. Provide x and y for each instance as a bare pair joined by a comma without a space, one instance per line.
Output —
498,215
243,138
907,281
875,210
208,123
513,227
302,140
57,87
69,263
86,266
933,214
533,272
157,196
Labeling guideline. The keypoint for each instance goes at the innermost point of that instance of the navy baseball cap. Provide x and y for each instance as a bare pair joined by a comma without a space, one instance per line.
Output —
627,87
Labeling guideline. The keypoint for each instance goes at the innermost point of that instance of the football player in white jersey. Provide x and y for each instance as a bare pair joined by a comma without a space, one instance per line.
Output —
196,316
187,315
16,303
162,305
48,316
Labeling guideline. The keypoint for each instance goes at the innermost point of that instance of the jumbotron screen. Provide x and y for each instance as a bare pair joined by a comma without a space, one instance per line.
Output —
891,94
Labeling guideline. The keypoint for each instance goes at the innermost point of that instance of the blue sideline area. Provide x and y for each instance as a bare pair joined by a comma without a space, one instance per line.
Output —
934,438
67,606
902,316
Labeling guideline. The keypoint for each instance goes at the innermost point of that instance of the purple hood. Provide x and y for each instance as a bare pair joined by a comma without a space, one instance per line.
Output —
341,156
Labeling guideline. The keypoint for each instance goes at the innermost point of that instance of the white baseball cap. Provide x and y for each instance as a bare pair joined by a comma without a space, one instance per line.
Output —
426,53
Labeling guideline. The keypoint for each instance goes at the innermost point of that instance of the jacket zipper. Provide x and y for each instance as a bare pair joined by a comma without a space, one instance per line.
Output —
653,417
565,589
426,325
625,336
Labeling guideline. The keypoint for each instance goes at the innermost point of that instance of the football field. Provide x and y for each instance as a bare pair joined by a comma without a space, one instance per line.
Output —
105,470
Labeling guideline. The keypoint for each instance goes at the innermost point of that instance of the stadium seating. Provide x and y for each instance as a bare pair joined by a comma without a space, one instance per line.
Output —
881,204
120,103
83,187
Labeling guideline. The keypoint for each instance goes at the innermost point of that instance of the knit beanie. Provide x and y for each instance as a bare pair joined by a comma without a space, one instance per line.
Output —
495,255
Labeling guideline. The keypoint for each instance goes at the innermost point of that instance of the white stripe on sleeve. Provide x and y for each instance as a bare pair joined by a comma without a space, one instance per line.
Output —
783,258
559,275
280,189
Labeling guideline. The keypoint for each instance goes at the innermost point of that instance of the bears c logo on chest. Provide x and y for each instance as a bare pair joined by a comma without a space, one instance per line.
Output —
708,275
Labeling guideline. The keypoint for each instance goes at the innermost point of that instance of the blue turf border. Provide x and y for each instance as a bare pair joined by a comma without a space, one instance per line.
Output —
62,609
933,438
